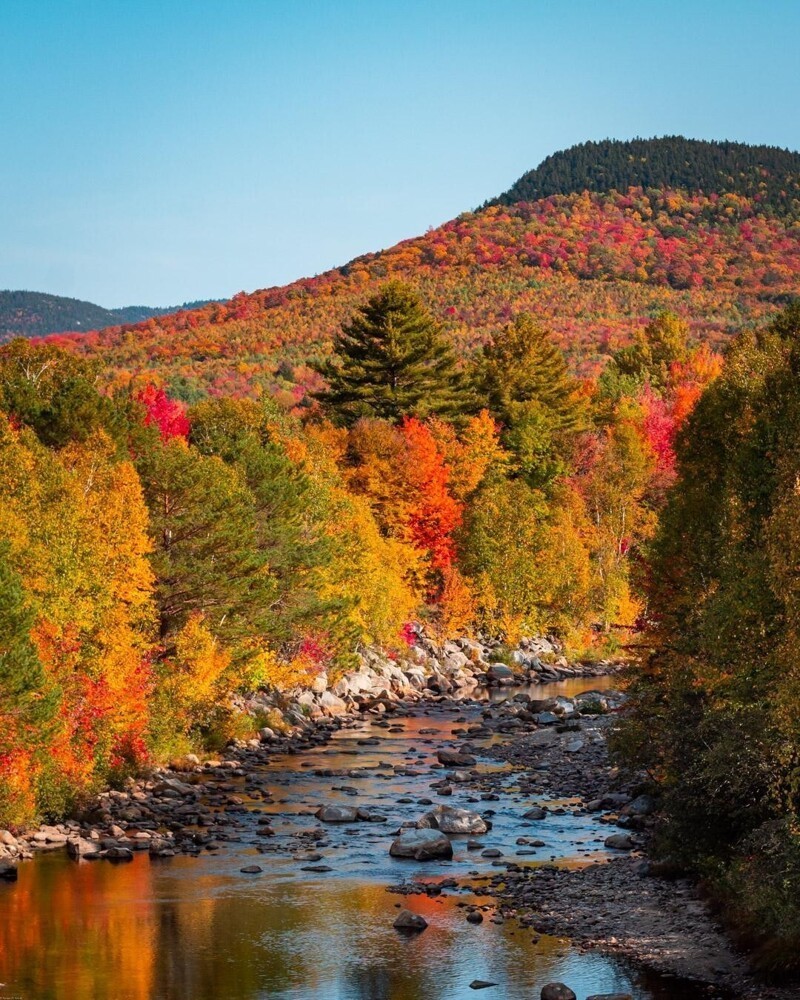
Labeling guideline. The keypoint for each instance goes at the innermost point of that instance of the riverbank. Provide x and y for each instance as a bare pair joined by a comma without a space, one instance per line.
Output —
619,906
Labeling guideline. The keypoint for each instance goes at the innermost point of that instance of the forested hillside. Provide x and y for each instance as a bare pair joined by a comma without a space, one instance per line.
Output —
768,175
519,423
593,267
35,314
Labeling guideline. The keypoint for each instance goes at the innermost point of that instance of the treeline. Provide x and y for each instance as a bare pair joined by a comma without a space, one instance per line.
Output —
155,559
718,721
768,174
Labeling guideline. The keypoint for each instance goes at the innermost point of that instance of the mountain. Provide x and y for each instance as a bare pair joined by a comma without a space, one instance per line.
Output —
768,175
594,265
35,314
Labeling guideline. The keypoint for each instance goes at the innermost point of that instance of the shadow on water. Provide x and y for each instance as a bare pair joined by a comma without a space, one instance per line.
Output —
189,928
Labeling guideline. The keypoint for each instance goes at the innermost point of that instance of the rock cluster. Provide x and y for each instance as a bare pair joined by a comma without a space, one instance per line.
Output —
456,669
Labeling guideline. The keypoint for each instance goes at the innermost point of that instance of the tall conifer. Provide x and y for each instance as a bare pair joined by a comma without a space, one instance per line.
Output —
391,361
522,365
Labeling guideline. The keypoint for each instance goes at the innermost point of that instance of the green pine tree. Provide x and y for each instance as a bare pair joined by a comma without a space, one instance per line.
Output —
525,381
522,366
391,361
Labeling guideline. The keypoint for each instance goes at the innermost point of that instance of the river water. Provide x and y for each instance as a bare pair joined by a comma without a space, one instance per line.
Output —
197,928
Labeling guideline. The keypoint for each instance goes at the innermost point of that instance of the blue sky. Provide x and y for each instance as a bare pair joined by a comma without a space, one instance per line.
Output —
154,153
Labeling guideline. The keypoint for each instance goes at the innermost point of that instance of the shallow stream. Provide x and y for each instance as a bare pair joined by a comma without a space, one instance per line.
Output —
197,928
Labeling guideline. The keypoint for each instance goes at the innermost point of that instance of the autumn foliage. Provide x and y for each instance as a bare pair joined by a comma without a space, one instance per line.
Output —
593,267
158,558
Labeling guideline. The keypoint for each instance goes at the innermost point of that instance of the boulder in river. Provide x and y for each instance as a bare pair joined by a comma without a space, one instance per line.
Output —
408,921
455,758
557,991
79,847
8,872
535,812
619,842
450,819
337,814
610,996
421,845
119,854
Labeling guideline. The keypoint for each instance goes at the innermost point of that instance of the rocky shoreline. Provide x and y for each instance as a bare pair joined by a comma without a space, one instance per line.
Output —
620,906
161,813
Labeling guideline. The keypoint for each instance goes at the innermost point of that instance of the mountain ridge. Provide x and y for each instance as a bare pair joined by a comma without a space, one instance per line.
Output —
36,314
595,267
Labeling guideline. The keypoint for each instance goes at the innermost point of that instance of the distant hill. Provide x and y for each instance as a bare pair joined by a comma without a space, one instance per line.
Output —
593,265
36,314
768,175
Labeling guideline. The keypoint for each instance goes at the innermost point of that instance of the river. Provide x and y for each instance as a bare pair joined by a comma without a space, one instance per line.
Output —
197,928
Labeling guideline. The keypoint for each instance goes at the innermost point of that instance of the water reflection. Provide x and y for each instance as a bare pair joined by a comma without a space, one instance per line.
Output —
143,931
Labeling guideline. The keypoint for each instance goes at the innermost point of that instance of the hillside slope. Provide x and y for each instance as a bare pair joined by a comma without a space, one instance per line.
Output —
36,314
593,265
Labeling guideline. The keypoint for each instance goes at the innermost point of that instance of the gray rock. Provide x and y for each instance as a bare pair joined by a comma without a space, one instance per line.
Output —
337,814
459,777
421,845
320,683
332,704
474,917
480,984
557,991
371,816
619,842
119,854
456,660
455,758
499,673
251,870
79,847
535,812
642,805
408,921
8,872
450,819
610,996
173,787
